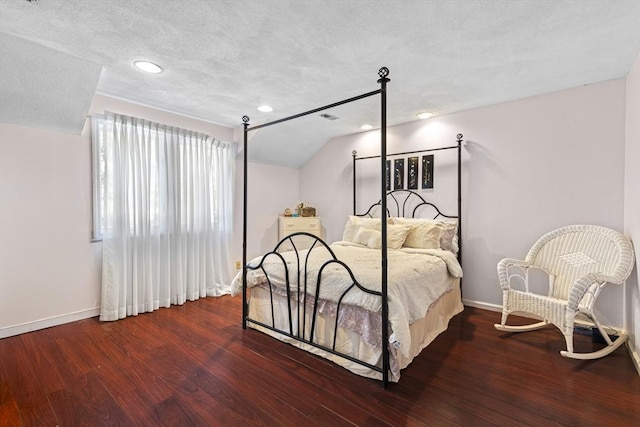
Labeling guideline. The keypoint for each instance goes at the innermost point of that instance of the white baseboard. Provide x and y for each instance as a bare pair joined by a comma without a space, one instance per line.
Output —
9,331
635,356
483,305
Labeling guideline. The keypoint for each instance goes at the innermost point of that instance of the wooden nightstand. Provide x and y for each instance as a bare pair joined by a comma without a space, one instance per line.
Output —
292,224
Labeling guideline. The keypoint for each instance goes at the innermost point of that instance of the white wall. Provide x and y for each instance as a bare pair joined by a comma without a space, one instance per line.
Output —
49,269
529,166
632,206
271,189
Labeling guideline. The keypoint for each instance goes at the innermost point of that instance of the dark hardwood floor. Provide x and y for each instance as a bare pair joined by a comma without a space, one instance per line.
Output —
193,365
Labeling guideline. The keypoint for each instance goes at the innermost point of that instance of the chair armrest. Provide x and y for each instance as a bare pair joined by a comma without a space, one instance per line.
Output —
503,270
580,286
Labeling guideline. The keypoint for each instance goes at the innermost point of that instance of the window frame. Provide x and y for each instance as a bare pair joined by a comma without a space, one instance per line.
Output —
97,207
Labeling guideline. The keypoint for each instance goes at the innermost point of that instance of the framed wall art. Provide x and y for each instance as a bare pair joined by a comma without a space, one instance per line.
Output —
427,171
412,173
388,175
398,174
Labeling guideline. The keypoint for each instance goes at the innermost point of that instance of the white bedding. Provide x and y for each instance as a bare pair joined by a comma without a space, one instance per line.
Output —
416,279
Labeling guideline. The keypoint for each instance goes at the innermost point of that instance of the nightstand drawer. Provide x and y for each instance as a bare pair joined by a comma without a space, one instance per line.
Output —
288,225
301,224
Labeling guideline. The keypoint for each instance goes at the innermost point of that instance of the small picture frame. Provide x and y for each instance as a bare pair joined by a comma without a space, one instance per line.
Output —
388,175
398,174
412,173
427,171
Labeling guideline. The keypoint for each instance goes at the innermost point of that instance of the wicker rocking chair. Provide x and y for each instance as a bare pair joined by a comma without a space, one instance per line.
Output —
580,261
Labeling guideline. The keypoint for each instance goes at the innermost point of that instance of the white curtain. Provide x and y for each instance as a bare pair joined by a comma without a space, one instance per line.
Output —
167,212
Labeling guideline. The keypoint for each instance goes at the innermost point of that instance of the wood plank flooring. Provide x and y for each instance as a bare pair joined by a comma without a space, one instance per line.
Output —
193,365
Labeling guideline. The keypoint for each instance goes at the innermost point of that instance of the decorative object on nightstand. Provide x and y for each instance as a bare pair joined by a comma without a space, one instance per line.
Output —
305,211
287,212
308,211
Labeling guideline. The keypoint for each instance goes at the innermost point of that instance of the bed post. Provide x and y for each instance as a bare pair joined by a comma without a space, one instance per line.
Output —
459,138
245,124
354,153
383,73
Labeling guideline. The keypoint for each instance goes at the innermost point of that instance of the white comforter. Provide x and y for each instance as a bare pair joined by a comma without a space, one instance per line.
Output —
416,279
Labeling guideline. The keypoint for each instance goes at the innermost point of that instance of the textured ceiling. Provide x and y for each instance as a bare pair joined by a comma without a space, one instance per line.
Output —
222,58
44,88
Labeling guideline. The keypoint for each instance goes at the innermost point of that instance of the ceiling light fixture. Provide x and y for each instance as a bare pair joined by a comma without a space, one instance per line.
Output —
147,66
424,115
366,127
265,109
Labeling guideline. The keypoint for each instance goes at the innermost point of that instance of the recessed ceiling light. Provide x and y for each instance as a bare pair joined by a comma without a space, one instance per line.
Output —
424,115
149,67
265,109
366,127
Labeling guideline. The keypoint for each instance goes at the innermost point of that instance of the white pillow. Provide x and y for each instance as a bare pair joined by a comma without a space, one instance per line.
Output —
357,221
368,237
449,236
430,233
424,235
396,235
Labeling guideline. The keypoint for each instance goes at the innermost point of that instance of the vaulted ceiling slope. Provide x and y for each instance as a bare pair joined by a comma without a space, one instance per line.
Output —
222,59
43,87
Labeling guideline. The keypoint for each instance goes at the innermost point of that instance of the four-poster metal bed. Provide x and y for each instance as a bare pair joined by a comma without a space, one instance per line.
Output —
299,301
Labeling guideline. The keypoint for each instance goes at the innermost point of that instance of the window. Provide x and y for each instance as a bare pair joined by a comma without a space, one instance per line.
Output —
163,207
98,175
160,178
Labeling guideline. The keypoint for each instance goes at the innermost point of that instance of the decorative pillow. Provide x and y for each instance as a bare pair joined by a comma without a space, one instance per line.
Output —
396,235
430,233
358,221
424,235
368,237
449,236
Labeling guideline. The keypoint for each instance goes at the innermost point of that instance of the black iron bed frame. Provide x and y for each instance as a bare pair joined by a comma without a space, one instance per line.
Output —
300,296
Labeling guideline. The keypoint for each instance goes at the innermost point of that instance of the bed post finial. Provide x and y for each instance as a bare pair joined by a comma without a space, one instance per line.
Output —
354,153
245,119
383,73
459,137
